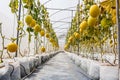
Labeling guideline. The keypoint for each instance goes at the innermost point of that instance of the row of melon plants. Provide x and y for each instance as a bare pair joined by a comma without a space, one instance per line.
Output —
93,29
33,21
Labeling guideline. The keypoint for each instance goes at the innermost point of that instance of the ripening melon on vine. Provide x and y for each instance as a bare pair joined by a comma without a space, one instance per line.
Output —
68,42
47,35
71,38
81,30
77,35
83,25
94,11
42,49
42,32
74,33
91,21
28,19
33,22
37,28
51,40
12,47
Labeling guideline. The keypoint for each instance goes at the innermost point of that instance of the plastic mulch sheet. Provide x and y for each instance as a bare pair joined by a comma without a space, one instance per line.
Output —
60,67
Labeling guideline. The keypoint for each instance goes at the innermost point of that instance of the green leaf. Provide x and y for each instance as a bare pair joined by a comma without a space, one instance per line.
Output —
35,33
14,6
26,6
29,29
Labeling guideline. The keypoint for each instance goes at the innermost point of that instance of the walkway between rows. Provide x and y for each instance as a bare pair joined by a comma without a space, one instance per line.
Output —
60,67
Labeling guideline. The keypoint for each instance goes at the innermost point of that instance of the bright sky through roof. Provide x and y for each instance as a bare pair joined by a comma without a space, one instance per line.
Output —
9,28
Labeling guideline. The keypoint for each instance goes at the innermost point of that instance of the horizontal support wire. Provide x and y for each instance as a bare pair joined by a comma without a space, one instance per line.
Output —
60,25
60,21
47,2
67,9
59,10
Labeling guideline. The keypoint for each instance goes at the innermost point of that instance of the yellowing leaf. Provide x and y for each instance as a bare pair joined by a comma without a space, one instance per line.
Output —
20,23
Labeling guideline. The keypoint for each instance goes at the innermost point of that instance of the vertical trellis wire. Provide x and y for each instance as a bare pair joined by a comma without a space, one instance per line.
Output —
68,29
19,15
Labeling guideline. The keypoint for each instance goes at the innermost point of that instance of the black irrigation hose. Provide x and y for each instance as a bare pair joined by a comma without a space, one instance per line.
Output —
38,61
42,59
24,69
28,74
12,69
109,62
86,75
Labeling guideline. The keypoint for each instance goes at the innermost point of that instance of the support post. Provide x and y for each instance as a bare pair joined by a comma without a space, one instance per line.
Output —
78,21
118,25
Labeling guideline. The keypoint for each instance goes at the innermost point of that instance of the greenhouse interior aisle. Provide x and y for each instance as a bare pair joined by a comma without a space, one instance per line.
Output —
59,67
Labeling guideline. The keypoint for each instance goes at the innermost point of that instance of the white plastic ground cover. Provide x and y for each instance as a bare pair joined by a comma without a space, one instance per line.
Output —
69,54
6,61
60,67
5,73
11,71
17,68
72,56
15,75
14,67
85,64
89,66
82,62
31,60
37,60
97,56
78,61
24,66
44,57
94,70
108,73
110,57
